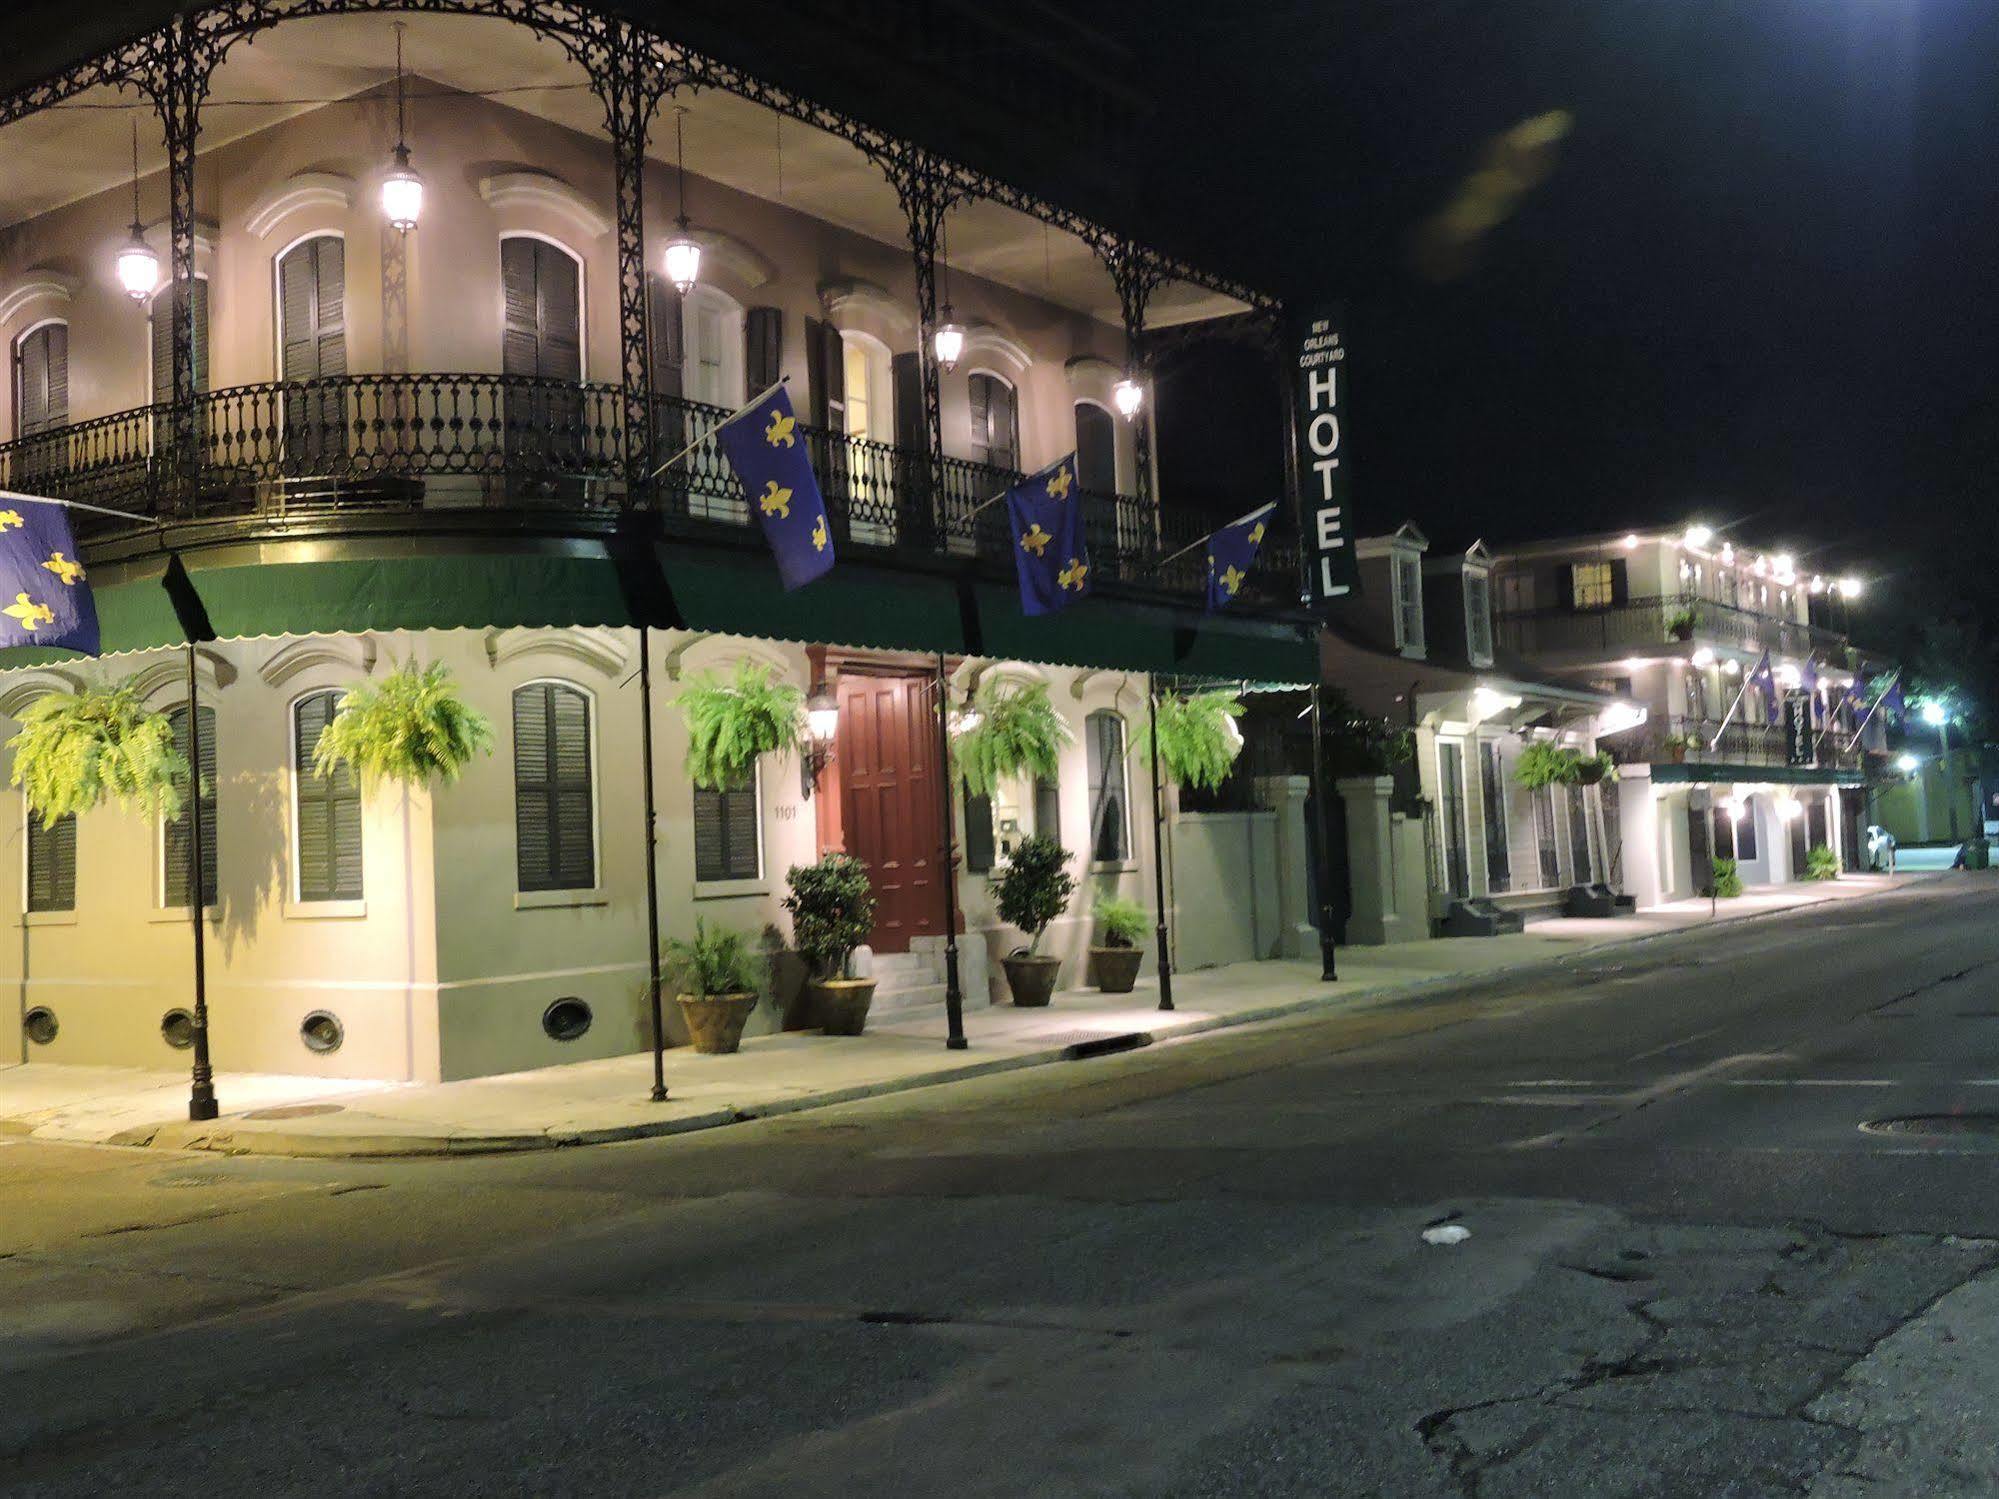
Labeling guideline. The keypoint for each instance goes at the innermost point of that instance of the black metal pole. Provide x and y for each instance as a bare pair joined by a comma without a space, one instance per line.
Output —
652,872
1321,792
1158,849
947,872
201,1104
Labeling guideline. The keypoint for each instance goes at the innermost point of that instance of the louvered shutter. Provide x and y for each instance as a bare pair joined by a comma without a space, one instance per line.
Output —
669,346
763,347
1620,581
179,833
57,337
520,340
826,353
979,396
329,811
330,316
1096,449
1003,424
1047,809
299,350
52,864
554,827
31,384
573,844
978,833
728,832
906,378
561,314
163,342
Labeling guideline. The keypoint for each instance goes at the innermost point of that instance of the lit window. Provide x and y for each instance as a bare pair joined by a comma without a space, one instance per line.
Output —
1408,602
1110,801
1590,585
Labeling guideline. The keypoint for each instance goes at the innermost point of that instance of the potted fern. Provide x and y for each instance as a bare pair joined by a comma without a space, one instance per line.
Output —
719,975
1031,892
1591,769
1680,625
410,728
1010,729
76,750
733,721
1198,738
1115,961
1544,764
832,912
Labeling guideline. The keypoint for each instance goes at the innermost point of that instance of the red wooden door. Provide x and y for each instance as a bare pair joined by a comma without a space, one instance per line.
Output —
888,786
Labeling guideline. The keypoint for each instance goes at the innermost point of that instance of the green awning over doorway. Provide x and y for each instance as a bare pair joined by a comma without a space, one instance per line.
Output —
738,593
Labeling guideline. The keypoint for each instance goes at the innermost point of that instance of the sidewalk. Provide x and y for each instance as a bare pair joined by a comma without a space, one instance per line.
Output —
592,1102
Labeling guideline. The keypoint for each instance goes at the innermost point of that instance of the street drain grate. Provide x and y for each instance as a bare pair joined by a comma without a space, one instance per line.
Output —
1104,1046
1935,1124
296,1111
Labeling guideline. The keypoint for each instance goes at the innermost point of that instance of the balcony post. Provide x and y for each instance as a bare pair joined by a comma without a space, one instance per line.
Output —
176,77
630,84
926,197
1136,275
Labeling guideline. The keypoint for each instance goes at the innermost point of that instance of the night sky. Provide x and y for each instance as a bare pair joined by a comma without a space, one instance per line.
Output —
1756,282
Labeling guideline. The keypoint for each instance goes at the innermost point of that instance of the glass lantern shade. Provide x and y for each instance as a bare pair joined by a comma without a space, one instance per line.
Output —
949,343
1129,396
402,194
822,717
138,268
683,261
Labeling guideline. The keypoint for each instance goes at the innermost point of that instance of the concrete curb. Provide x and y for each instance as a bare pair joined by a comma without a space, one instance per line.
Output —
223,1138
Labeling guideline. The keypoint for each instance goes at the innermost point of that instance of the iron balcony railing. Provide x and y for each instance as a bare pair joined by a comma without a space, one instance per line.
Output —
386,443
1704,741
1639,623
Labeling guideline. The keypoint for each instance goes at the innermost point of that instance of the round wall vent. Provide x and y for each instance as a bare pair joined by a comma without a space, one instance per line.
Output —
322,1031
177,1029
40,1024
566,1019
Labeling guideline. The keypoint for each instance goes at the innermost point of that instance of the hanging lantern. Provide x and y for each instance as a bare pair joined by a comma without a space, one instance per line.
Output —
138,266
1128,396
949,343
402,189
683,251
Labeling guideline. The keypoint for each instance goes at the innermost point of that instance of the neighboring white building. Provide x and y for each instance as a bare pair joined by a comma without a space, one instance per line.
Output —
1681,620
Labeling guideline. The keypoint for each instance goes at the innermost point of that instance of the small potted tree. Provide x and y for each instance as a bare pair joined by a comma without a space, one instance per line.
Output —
1115,961
1031,892
832,912
719,975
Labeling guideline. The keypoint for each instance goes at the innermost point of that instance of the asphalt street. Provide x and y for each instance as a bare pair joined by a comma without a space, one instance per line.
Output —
1193,1270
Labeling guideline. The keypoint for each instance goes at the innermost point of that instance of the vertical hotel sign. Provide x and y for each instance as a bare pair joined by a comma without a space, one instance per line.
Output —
1319,403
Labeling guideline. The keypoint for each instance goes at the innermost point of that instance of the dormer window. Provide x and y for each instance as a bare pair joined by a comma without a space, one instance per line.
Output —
1478,616
1408,575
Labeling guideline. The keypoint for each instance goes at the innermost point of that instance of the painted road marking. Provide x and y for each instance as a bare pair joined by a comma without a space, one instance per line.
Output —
1676,1045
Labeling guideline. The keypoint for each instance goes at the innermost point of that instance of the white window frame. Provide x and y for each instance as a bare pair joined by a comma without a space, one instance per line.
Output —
1483,578
880,394
1129,859
295,907
1120,463
1406,570
582,895
500,293
1019,435
278,294
757,884
734,320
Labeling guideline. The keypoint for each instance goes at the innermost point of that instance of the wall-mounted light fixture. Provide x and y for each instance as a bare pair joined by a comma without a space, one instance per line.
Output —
822,727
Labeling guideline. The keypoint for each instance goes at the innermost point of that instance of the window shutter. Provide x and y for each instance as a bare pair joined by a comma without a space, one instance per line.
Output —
52,864
1004,423
178,841
297,289
575,854
1104,737
31,384
198,302
554,826
978,392
1096,449
329,811
827,354
979,850
763,352
161,318
533,816
58,358
520,342
330,260
728,832
561,313
906,377
1048,809
669,346
1620,581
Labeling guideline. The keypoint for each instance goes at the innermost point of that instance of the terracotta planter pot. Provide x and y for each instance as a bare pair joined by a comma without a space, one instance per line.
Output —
1031,979
840,1006
715,1021
1114,970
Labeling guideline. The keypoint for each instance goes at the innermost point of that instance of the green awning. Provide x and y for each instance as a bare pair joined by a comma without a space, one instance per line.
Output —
1701,773
738,593
1126,636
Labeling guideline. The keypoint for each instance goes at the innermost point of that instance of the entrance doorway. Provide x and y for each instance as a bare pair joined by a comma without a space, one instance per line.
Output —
889,809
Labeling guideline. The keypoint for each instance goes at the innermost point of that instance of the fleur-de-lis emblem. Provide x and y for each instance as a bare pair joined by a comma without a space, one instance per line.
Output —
780,433
1232,579
1035,540
28,614
1256,533
1073,575
819,534
1058,487
10,519
69,571
775,500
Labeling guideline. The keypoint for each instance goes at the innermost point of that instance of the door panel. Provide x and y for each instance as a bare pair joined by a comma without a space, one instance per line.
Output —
888,777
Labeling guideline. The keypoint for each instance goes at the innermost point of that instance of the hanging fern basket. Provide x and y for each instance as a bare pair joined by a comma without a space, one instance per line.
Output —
409,729
733,721
77,750
1012,729
1198,738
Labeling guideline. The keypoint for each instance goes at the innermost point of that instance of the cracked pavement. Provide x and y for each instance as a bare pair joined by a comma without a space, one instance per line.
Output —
1194,1270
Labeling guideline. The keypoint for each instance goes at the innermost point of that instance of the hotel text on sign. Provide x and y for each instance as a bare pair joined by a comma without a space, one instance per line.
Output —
1324,513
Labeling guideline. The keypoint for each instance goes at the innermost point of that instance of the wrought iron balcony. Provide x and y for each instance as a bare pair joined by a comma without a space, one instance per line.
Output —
316,451
1621,629
1704,741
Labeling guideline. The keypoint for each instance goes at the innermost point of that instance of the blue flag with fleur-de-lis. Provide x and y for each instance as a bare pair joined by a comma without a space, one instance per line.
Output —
1051,551
44,598
767,450
1232,553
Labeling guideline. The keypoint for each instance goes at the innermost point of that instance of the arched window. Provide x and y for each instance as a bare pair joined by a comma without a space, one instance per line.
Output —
712,347
41,379
177,835
1110,797
1096,449
312,345
995,421
555,815
326,811
542,291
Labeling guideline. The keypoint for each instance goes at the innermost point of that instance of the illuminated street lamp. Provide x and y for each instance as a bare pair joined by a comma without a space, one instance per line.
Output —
1128,396
1699,536
402,189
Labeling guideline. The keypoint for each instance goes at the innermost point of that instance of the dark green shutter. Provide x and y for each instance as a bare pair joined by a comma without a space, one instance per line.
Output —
179,839
763,351
329,811
1620,581
728,832
41,380
554,829
52,864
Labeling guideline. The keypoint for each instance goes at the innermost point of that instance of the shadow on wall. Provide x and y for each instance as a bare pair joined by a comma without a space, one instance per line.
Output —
263,805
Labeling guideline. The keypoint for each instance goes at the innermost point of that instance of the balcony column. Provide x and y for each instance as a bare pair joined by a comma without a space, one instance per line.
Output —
926,196
1137,276
176,77
630,84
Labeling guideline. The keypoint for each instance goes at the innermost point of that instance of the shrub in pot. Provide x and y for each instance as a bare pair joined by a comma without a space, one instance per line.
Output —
1821,863
719,975
1031,892
1115,960
1727,878
832,912
1680,625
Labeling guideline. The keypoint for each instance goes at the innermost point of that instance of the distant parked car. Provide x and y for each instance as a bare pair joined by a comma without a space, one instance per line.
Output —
1881,850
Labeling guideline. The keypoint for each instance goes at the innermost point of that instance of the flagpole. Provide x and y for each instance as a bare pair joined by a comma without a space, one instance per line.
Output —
1862,729
201,1104
43,499
1190,546
762,396
1729,717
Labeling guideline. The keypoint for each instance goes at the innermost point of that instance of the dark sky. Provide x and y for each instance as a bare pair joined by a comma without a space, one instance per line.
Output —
1760,282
